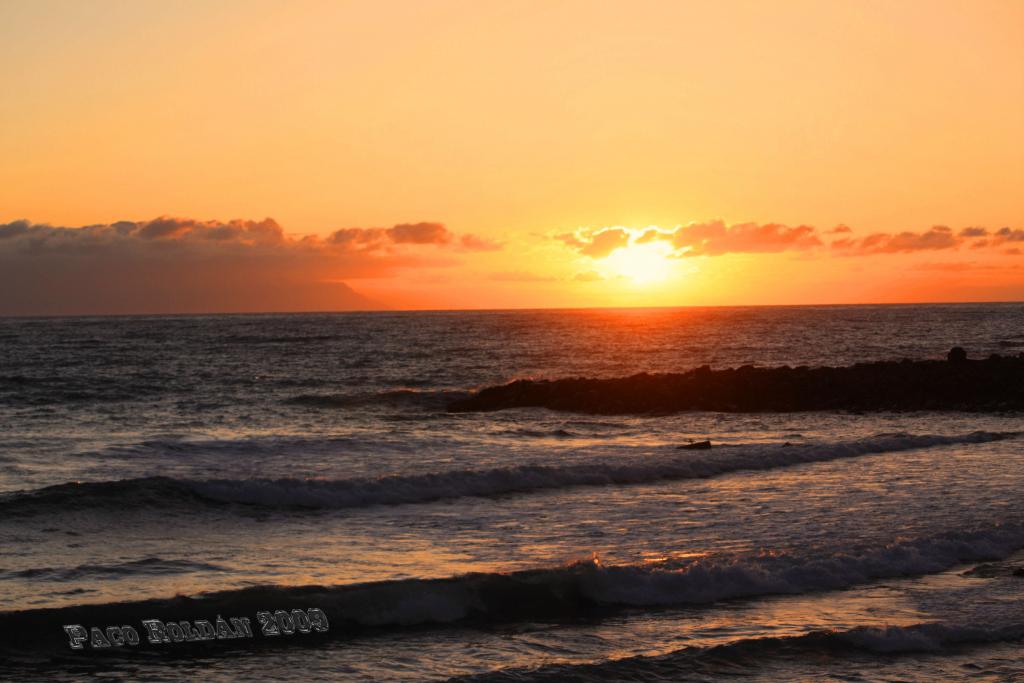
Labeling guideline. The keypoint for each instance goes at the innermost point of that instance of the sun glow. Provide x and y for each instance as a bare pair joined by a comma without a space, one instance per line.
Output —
643,264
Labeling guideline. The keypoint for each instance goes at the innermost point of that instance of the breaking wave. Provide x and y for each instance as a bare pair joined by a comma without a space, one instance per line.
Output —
564,592
424,488
731,659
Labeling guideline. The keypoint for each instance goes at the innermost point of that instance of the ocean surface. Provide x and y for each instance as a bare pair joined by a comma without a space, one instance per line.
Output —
144,458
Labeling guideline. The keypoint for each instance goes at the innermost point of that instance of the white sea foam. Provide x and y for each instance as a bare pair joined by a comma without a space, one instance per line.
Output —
422,488
541,593
394,490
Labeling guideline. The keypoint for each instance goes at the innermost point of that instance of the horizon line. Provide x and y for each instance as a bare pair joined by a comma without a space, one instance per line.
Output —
348,311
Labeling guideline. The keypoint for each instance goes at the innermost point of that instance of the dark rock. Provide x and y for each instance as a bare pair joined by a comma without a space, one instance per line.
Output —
993,384
956,355
696,446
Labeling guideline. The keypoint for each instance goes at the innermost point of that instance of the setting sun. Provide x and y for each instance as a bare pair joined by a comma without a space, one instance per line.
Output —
640,263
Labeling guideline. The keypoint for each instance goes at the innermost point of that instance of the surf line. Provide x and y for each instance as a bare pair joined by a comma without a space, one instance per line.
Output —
277,623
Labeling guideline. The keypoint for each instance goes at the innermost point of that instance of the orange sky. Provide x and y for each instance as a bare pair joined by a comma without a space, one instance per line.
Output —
541,140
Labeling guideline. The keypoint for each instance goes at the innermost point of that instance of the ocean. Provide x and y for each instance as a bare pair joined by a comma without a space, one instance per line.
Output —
229,465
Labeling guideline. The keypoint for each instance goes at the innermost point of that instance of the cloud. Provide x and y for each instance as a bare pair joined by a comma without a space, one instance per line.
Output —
991,239
172,264
604,242
235,234
716,238
596,243
375,239
419,233
168,227
652,235
1004,235
712,238
571,240
936,238
359,239
475,243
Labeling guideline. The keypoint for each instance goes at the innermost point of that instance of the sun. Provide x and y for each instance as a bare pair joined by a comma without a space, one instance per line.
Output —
643,264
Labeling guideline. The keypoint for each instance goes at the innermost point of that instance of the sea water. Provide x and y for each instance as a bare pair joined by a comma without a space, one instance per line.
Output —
144,458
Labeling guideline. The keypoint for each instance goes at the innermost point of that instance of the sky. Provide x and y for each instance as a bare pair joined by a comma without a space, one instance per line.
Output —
204,156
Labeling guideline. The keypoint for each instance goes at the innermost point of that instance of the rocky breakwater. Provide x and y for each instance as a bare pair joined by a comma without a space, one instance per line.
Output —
957,383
